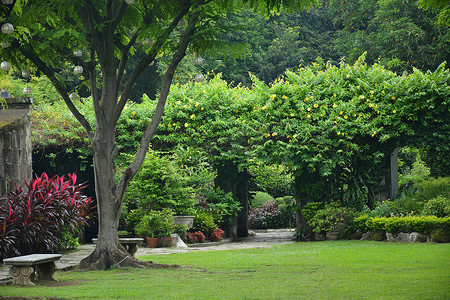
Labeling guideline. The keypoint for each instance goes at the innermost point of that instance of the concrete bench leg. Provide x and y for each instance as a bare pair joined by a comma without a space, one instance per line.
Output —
45,271
22,275
132,249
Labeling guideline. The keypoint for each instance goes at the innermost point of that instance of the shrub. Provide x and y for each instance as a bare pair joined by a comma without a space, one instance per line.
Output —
156,224
331,218
216,235
204,221
196,237
259,199
287,207
395,225
267,216
39,216
439,207
418,173
158,186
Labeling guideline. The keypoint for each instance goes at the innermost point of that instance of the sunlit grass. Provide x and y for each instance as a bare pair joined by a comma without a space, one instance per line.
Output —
330,270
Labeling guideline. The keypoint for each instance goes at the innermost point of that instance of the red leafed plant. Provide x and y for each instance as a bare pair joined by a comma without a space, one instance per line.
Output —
196,237
216,235
33,216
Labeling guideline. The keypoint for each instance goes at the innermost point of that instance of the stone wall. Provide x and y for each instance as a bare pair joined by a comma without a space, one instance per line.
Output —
15,143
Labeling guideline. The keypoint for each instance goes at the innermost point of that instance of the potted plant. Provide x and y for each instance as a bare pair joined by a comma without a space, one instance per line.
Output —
155,225
330,221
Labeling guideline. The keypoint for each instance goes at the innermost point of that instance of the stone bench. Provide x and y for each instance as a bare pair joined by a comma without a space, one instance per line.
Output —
130,244
24,268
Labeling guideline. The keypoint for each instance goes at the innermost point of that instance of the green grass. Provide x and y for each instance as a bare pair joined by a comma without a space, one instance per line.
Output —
320,270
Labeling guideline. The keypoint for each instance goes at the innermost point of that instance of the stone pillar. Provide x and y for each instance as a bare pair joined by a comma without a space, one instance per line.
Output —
394,173
15,143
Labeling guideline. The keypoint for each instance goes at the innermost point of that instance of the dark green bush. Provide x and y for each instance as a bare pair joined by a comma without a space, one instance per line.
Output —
268,216
260,198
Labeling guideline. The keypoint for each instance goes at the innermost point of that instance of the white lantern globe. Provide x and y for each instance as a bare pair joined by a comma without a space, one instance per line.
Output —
129,2
78,69
199,77
7,28
5,44
7,2
26,73
77,53
198,61
73,96
27,90
5,66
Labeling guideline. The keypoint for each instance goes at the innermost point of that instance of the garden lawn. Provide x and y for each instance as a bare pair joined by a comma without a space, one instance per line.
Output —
318,270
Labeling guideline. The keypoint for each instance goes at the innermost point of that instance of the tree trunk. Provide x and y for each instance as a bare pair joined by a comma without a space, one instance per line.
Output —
229,179
108,251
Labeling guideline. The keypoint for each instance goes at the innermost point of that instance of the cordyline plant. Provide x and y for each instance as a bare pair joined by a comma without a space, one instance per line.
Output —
34,215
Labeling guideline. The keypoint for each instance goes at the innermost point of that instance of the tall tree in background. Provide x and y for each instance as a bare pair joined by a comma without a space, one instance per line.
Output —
108,32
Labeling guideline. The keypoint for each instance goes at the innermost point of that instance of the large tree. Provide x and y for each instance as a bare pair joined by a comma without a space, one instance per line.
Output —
109,32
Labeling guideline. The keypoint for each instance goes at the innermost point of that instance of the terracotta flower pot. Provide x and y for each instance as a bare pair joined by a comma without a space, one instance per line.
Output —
152,242
167,241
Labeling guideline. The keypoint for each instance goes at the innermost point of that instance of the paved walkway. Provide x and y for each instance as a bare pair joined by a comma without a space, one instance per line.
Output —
261,239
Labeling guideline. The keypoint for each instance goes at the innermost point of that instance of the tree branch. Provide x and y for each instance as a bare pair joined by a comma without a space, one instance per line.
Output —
143,63
134,167
124,60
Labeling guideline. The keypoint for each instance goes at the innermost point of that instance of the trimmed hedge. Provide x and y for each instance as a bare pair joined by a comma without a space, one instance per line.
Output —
424,225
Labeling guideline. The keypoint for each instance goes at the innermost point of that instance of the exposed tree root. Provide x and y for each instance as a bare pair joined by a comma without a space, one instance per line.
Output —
103,260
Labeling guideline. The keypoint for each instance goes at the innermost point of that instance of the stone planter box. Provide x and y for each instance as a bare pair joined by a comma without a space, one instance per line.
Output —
184,220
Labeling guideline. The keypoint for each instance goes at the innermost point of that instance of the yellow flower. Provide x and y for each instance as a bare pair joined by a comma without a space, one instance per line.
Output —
383,91
393,98
316,105
292,114
334,105
314,169
178,102
197,104
357,86
273,96
186,125
201,108
371,105
274,134
334,95
307,98
372,92
309,116
308,109
338,133
284,97
348,75
362,97
341,112
346,117
192,116
394,111
264,107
